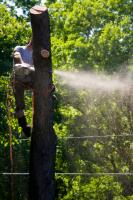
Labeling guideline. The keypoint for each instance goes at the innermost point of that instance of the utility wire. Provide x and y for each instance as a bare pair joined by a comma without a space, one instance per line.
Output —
88,137
95,174
75,174
96,136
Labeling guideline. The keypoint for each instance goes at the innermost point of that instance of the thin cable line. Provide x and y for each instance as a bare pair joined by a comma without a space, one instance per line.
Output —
8,173
88,136
96,136
24,139
76,174
96,174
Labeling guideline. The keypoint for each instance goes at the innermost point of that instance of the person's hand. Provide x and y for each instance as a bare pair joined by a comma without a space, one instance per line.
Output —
17,58
16,55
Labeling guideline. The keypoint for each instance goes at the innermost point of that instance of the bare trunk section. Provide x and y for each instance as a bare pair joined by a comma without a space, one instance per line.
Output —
43,141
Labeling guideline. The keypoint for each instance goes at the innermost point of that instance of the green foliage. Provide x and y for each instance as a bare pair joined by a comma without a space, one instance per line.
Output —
9,129
12,33
7,110
103,115
96,189
24,5
91,34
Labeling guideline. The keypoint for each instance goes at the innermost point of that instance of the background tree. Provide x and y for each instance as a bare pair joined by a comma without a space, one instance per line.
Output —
13,32
98,37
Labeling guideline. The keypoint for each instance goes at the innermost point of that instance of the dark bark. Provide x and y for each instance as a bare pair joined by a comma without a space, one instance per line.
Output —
43,141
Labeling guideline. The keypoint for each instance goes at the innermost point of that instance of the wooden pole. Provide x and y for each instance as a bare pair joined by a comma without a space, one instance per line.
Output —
43,141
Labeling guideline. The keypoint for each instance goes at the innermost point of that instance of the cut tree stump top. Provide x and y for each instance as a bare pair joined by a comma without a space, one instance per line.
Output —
36,10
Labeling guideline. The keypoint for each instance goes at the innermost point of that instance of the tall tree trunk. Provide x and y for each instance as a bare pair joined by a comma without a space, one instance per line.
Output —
43,141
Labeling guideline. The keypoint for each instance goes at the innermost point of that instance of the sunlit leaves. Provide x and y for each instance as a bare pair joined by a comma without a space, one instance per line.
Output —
103,27
12,33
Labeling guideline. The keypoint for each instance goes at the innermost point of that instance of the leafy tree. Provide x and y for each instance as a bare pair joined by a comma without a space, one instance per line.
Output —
24,5
13,32
91,34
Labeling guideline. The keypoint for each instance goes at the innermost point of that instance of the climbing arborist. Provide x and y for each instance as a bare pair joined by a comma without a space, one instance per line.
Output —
23,78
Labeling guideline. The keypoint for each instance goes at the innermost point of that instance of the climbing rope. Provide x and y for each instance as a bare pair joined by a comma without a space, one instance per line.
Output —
9,117
9,104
